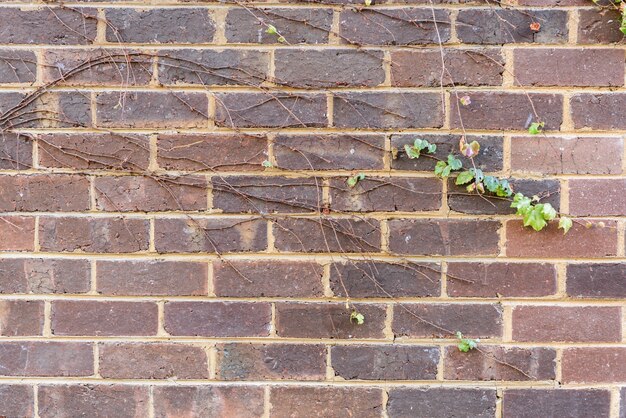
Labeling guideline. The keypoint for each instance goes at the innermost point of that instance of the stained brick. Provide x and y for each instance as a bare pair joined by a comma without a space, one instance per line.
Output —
17,66
594,365
50,193
325,401
599,26
21,318
38,275
48,25
601,280
598,111
16,152
46,359
18,233
441,402
208,401
527,403
16,400
597,197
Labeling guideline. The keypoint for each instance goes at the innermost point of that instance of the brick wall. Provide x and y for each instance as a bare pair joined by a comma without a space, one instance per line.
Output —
152,266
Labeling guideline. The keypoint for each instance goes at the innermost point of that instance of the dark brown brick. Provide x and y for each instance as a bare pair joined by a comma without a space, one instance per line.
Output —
598,111
40,276
15,111
594,365
267,278
16,401
597,197
63,110
242,361
373,362
44,192
328,320
18,233
96,318
215,319
313,402
528,403
17,66
599,26
46,359
601,280
16,152
21,318
208,401
441,402
48,25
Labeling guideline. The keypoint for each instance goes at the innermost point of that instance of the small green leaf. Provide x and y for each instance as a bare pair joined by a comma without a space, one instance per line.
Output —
454,163
534,218
432,148
478,174
368,2
464,178
411,152
439,167
491,183
565,224
267,164
504,189
420,144
360,176
536,128
271,29
522,203
548,212
357,317
466,344
281,39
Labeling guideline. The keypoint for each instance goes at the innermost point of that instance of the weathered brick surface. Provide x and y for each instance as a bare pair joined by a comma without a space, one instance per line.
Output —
16,400
594,365
208,401
597,197
21,318
441,402
44,193
598,27
15,152
325,401
40,276
18,233
45,359
541,402
601,280
598,111
17,66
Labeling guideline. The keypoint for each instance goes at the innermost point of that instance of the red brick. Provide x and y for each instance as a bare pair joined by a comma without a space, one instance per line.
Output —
594,365
527,403
46,359
208,401
598,111
325,401
96,318
601,280
18,233
21,318
63,110
16,152
17,66
40,276
441,402
597,197
16,400
599,26
42,192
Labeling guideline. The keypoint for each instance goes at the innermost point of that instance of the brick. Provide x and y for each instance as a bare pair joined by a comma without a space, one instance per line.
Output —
97,401
547,3
371,279
507,111
44,192
373,362
500,363
446,237
597,197
46,359
551,242
208,67
152,110
441,402
296,25
408,26
15,111
211,152
325,401
595,67
328,320
152,361
159,26
96,318
21,318
151,277
490,27
598,111
580,155
527,403
18,233
328,68
386,194
465,67
490,280
569,324
17,66
97,235
440,321
87,151
215,319
48,25
244,361
210,235
327,235
64,110
598,26
601,280
16,400
623,407
208,401
267,278
594,365
266,194
16,152
329,152
280,110
382,110
40,276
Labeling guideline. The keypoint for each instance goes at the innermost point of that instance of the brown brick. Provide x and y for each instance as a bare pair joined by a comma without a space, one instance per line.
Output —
159,26
215,319
296,25
208,401
267,278
383,110
21,318
507,111
446,237
38,276
594,67
489,27
209,67
96,318
63,110
441,402
16,400
16,152
325,401
152,361
597,197
371,279
152,110
17,66
389,362
465,67
327,235
328,320
332,152
599,26
96,401
551,242
210,235
46,359
48,25
598,111
569,324
439,320
44,192
527,403
329,68
244,361
500,363
407,26
386,194
151,277
97,235
623,403
15,112
18,233
548,3
601,280
594,365
93,151
280,110
500,279
581,155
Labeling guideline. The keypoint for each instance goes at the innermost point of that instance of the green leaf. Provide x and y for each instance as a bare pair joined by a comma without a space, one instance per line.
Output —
491,183
534,218
271,29
432,148
368,2
536,128
360,176
548,212
466,344
439,167
565,224
522,203
464,178
504,189
478,174
411,152
420,144
357,317
267,164
454,163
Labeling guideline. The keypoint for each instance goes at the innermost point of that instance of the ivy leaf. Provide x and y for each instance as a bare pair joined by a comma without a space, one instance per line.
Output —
271,29
357,317
464,178
368,2
522,203
536,128
478,174
548,212
267,164
353,181
565,224
420,144
432,148
454,163
504,189
491,183
534,218
411,152
439,167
